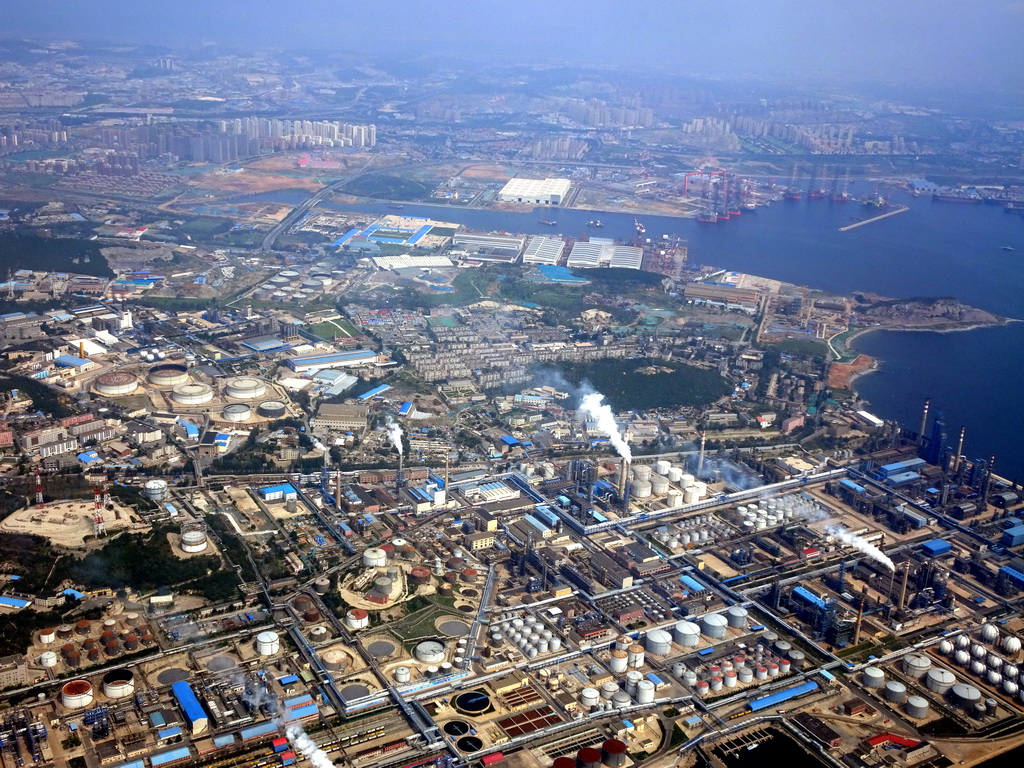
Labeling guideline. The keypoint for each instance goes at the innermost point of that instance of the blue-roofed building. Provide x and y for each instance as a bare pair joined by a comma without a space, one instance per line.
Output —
766,702
301,713
936,547
224,740
170,757
374,392
899,467
190,706
263,730
191,430
282,492
297,701
89,457
132,764
405,409
808,597
74,594
288,680
168,733
1014,576
13,602
72,361
691,583
306,363
1012,537
902,478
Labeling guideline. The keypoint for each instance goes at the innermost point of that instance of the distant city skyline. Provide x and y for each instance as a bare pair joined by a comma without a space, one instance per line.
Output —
916,42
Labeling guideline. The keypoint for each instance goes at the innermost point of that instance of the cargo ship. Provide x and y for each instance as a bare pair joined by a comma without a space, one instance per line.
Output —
954,196
549,223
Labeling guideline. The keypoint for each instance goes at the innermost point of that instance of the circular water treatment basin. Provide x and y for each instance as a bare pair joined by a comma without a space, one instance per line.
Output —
172,676
456,728
469,744
381,648
465,608
350,692
470,593
454,628
220,663
472,702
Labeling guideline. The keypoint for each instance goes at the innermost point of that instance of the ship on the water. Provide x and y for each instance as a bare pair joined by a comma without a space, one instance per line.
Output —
597,223
957,196
549,223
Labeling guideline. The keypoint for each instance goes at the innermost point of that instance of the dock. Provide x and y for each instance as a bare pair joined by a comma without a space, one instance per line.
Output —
886,215
744,740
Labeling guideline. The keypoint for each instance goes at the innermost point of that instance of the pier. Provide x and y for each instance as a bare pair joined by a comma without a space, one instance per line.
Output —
886,215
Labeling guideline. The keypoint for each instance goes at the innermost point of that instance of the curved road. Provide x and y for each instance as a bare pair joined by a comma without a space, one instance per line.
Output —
304,207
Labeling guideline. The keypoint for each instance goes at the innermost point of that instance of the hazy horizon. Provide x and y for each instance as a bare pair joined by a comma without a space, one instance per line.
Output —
915,42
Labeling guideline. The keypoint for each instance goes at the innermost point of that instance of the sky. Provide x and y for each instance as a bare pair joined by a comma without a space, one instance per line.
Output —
962,42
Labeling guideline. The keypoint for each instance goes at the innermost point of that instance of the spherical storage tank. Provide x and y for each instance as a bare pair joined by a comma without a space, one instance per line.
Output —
167,375
76,694
946,648
1011,644
375,557
236,412
155,490
268,643
989,633
118,683
245,387
940,680
963,658
658,642
429,652
713,625
115,384
193,393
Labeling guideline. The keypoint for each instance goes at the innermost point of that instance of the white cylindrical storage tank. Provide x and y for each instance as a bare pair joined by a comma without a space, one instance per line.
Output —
713,625
245,387
155,489
658,642
659,485
48,659
917,707
192,393
675,474
895,692
618,661
635,656
374,557
873,677
773,669
236,412
555,643
644,692
632,678
76,694
589,698
701,488
989,633
642,472
167,375
662,466
730,676
746,675
736,616
940,680
716,683
357,618
641,489
916,665
690,495
47,636
785,665
429,652
193,541
268,643
686,634
403,674
703,688
761,673
115,384
118,683
609,689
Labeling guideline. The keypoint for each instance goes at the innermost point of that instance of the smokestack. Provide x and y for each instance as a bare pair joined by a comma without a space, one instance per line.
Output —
903,588
924,421
398,477
988,482
860,615
624,467
700,458
959,450
337,491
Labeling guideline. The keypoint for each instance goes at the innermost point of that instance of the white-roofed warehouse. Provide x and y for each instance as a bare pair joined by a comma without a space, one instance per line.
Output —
536,191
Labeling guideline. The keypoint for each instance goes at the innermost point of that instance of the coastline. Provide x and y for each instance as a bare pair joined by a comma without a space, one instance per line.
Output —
875,364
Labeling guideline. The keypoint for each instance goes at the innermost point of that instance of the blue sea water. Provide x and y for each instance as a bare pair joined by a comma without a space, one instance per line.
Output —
935,249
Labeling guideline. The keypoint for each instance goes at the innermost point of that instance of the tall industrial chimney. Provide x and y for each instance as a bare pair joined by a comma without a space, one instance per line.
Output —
337,491
700,458
860,615
959,450
903,588
624,467
924,421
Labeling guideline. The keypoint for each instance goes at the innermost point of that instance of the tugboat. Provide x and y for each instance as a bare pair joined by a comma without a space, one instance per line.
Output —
595,223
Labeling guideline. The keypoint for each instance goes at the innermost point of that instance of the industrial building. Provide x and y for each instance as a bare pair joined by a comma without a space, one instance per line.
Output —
535,191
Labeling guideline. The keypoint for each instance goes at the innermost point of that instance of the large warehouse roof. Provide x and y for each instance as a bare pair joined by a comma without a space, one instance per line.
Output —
534,188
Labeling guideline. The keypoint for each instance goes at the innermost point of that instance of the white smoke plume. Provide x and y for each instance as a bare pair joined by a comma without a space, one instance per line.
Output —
303,744
395,435
852,540
594,405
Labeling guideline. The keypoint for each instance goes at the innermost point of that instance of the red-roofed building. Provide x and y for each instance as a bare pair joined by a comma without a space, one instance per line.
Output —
883,740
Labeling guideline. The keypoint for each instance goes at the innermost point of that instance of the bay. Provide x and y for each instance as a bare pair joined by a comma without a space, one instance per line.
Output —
934,249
